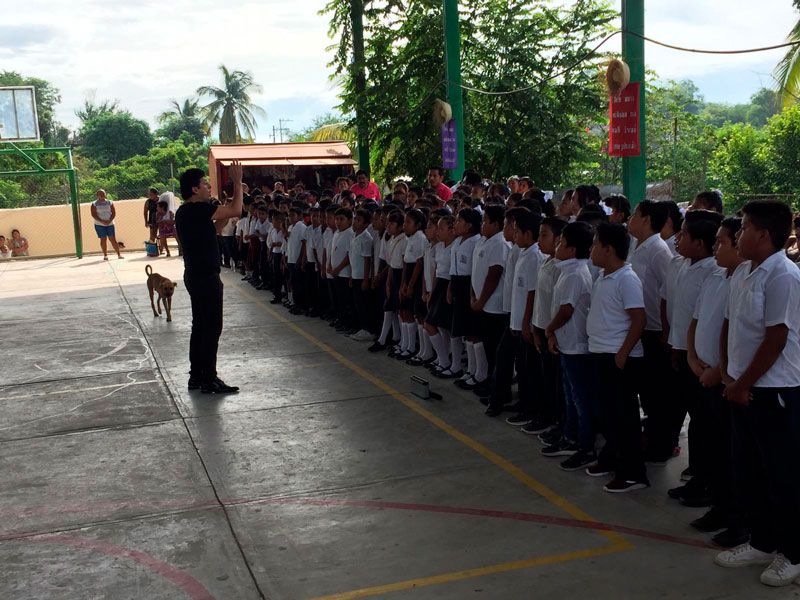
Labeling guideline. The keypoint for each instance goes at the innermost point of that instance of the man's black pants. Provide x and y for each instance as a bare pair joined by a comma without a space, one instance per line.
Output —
206,297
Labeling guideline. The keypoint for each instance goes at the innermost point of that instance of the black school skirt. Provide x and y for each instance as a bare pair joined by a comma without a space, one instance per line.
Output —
413,302
465,321
392,302
440,313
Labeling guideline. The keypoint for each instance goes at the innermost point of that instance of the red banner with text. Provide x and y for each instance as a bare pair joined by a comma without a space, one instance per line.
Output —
624,137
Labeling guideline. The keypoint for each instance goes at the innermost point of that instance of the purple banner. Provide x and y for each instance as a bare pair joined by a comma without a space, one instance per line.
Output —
449,145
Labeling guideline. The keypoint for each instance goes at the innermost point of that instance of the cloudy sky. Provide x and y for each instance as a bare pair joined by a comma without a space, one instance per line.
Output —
146,52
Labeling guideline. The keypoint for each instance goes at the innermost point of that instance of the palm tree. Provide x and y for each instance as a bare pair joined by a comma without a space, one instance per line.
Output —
231,108
788,70
190,109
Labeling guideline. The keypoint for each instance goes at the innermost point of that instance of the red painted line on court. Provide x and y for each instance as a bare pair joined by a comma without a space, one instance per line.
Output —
496,514
183,580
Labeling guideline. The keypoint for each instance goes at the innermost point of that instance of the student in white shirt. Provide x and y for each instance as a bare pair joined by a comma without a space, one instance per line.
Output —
508,350
549,388
325,275
703,357
379,273
276,240
486,297
566,336
425,355
467,231
395,248
360,256
311,262
672,226
439,319
650,261
295,251
760,366
340,269
410,293
261,278
695,242
614,325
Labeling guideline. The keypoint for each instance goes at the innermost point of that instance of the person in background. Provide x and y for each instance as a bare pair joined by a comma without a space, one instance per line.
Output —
103,213
365,187
150,208
5,250
435,175
672,226
166,226
228,240
19,245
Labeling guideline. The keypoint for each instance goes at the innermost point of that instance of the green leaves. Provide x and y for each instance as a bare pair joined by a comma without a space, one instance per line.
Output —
231,108
113,137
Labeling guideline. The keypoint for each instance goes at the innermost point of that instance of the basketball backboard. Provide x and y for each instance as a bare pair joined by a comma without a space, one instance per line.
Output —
18,119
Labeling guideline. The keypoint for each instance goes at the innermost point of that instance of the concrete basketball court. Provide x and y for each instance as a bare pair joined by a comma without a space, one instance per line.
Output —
323,479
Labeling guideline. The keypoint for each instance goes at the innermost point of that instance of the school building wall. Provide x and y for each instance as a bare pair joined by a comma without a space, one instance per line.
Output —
49,229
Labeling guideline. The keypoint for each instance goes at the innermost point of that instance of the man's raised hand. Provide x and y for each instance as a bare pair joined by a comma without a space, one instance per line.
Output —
235,171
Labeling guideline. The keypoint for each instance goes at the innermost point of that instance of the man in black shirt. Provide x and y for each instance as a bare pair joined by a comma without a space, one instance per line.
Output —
197,232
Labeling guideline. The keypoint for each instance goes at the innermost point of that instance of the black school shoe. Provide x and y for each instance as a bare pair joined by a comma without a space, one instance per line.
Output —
377,347
194,383
217,386
714,520
731,537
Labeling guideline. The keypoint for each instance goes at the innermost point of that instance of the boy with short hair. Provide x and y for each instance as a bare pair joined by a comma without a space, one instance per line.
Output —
650,260
360,260
672,225
295,250
614,325
340,269
567,337
263,227
759,350
325,274
310,263
276,240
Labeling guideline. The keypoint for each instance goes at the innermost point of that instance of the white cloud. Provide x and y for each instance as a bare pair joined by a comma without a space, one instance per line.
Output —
146,52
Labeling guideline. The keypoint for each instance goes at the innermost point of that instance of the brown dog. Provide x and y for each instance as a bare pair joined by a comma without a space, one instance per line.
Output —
164,288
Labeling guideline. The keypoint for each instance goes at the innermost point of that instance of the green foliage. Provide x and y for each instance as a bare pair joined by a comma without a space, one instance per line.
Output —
763,104
110,138
505,45
11,194
92,109
231,108
47,96
176,127
325,127
132,177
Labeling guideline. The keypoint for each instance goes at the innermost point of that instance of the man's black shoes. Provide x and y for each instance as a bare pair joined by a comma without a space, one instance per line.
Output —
217,386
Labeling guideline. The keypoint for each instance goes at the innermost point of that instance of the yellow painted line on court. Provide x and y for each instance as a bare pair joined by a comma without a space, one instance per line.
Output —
541,489
469,573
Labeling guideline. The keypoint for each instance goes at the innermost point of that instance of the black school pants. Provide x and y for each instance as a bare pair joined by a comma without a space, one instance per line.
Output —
766,442
658,395
205,294
344,301
361,302
503,373
617,408
551,388
492,327
298,287
277,275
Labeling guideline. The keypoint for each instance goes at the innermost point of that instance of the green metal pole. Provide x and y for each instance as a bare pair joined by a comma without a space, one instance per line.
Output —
452,55
634,168
359,81
73,199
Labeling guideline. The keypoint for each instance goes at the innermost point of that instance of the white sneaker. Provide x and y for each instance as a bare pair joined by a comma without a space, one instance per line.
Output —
781,572
362,336
743,556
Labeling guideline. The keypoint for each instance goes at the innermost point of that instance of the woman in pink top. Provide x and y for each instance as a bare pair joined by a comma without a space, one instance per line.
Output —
364,187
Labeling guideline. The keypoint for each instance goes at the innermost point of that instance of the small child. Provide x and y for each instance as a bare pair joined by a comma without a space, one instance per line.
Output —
395,249
275,242
325,274
672,225
614,325
360,259
340,269
760,366
414,225
566,336
439,319
311,262
295,252
262,277
466,229
426,356
166,226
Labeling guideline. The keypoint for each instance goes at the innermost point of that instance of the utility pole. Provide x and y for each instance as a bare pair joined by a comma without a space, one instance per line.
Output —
359,81
452,54
274,134
281,128
634,168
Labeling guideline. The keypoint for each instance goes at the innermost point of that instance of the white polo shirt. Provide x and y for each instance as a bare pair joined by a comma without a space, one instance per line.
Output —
574,287
360,248
341,246
309,238
251,226
396,248
682,304
276,237
709,310
462,253
650,260
415,248
263,229
767,296
327,246
670,286
508,282
491,252
608,322
295,244
441,259
543,302
671,242
526,276
428,266
377,251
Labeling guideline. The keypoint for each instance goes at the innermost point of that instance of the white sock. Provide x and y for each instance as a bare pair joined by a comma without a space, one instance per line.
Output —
456,352
411,335
291,297
387,325
396,329
470,358
248,273
481,363
427,348
440,346
403,338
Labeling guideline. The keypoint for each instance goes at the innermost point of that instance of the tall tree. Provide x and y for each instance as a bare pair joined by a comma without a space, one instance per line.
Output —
189,109
92,108
182,120
112,137
231,108
788,70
